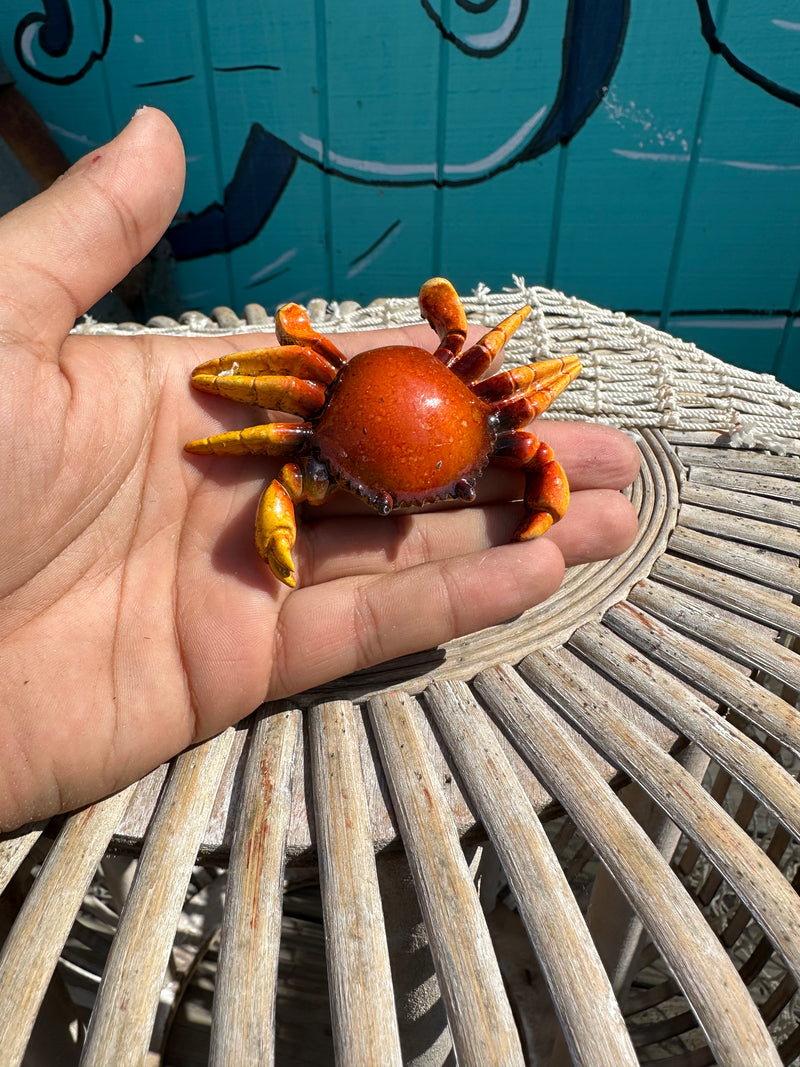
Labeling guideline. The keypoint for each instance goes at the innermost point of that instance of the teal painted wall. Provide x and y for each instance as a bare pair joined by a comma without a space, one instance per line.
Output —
645,157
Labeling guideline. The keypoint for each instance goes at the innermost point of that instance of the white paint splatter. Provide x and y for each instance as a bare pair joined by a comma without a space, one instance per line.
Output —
784,24
641,119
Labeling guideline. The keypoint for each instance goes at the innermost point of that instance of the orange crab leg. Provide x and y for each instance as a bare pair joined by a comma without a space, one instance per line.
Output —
521,379
546,486
280,359
470,365
281,392
526,404
276,528
441,306
293,327
271,439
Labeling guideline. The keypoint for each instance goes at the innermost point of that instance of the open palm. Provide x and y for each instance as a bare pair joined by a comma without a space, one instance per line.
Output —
135,615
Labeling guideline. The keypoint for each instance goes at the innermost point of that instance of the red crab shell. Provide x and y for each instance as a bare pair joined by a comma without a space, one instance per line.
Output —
397,425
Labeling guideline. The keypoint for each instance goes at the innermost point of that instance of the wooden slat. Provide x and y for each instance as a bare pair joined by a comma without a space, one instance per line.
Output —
733,528
127,1000
584,1001
772,569
243,1026
730,591
703,970
708,671
738,459
618,932
718,629
742,863
756,507
31,950
14,847
673,701
481,1023
363,1013
757,483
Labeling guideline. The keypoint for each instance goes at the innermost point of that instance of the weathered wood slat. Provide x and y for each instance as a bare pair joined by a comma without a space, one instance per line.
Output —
707,671
243,1027
127,1000
363,1013
708,978
730,591
747,761
719,629
759,883
14,848
31,950
481,1023
756,507
582,996
772,569
733,528
738,481
617,930
739,459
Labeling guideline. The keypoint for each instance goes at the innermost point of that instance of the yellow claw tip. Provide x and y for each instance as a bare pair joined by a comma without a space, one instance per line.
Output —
277,554
205,383
533,526
197,448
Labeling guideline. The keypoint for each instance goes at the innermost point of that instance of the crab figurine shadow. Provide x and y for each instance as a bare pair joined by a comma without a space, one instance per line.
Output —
396,425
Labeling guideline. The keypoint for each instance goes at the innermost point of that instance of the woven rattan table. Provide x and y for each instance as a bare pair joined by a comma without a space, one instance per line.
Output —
615,768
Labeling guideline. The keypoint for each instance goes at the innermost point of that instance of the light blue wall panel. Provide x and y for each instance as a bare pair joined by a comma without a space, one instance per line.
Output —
751,340
740,247
642,156
495,215
382,132
627,169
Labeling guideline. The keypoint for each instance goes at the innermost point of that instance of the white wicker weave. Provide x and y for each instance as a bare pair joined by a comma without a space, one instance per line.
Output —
634,375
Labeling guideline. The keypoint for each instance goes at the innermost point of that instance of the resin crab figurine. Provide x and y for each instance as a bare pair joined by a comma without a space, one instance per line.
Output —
397,425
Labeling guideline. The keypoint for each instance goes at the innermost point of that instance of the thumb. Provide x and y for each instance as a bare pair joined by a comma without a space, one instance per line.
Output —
72,243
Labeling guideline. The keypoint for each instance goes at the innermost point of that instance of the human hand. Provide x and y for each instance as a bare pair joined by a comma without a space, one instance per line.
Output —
135,616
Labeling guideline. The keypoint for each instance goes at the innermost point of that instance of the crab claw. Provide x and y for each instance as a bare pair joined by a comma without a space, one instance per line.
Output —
441,306
293,327
546,495
276,531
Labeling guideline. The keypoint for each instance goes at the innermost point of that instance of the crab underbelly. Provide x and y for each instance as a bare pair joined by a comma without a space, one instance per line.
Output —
398,422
